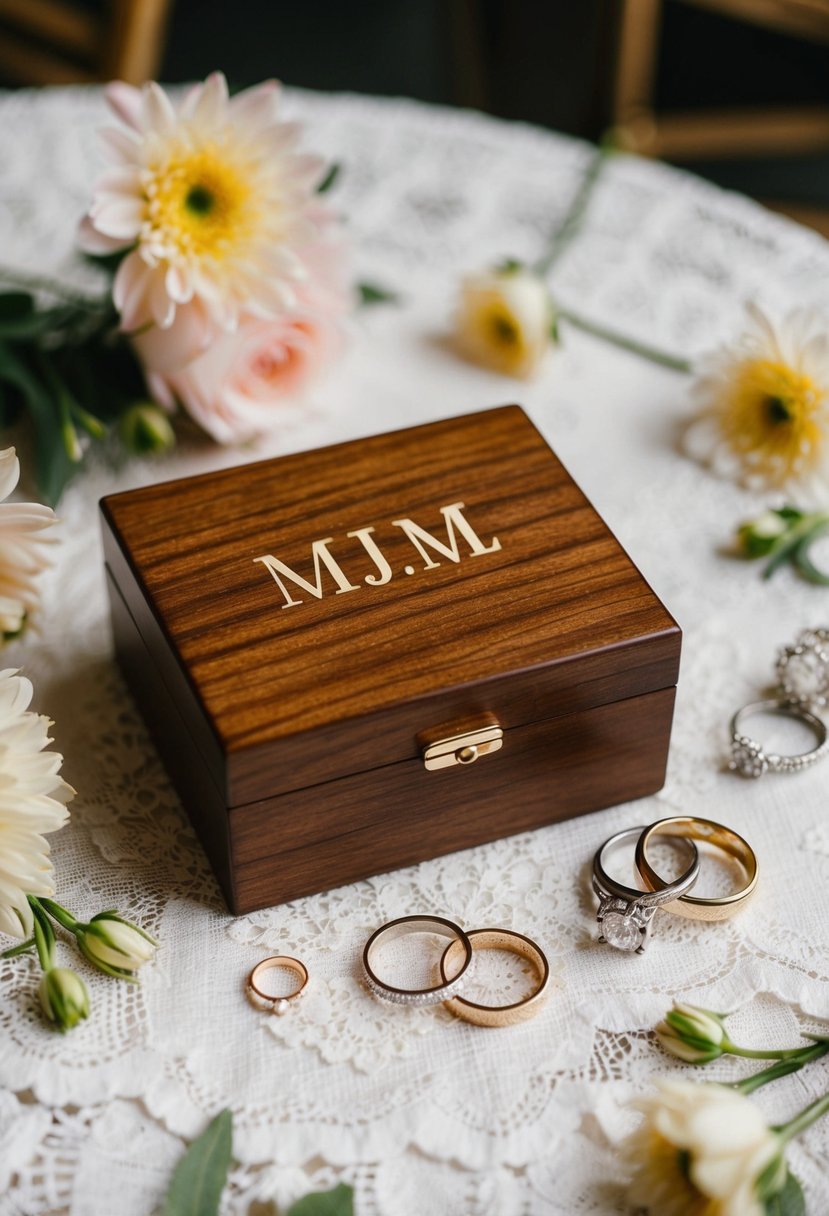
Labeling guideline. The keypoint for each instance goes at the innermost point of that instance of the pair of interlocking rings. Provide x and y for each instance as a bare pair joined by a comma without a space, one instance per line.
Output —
456,965
802,692
626,914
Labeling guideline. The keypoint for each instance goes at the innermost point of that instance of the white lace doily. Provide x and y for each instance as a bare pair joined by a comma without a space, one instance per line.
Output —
420,1112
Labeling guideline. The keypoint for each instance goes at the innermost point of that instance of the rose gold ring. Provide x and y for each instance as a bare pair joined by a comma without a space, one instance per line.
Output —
266,1000
499,1015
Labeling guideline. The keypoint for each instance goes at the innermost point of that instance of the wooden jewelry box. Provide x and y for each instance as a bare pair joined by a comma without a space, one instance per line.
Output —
361,657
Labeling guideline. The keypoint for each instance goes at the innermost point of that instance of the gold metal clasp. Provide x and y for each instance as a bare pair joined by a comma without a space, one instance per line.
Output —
460,742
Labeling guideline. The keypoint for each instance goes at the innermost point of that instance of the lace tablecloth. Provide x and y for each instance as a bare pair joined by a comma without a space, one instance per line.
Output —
419,1112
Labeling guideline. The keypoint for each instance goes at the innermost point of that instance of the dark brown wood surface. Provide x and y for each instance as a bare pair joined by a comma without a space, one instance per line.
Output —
278,699
310,840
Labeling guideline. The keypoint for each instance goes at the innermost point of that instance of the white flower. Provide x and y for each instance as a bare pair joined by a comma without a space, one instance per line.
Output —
114,945
211,200
22,545
32,797
701,1151
506,320
764,406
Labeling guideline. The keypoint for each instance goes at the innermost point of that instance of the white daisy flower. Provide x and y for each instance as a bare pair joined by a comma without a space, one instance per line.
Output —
211,200
22,550
32,804
764,406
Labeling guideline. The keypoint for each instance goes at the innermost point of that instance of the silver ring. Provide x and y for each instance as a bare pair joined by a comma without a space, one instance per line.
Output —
803,670
626,914
417,996
749,758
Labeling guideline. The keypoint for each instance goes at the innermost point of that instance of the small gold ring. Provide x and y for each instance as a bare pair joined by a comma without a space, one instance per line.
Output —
266,1000
689,827
500,1015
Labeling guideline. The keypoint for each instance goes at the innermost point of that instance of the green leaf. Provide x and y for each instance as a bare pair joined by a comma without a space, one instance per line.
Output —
339,1202
201,1175
789,1201
329,179
15,304
803,560
371,293
53,466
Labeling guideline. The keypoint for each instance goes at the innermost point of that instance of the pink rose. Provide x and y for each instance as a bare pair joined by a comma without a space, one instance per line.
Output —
231,382
231,389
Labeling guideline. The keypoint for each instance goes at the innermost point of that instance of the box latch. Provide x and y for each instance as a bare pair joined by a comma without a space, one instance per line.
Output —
460,742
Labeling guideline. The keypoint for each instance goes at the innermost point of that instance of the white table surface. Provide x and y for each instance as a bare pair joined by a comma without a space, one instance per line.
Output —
419,1112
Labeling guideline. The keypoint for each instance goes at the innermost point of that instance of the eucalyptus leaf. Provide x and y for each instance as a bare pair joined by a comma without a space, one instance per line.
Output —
789,1201
201,1174
372,293
339,1202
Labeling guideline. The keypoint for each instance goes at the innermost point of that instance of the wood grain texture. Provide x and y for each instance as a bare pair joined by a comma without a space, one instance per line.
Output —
279,699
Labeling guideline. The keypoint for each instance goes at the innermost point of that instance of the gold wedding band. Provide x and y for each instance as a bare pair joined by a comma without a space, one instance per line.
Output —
266,1000
499,1015
697,907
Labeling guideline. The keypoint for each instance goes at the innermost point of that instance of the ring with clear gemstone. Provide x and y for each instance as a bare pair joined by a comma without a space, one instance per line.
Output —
803,670
401,927
625,914
266,1000
750,759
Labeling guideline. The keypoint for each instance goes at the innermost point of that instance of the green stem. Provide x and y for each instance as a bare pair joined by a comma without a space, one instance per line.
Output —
664,358
64,918
804,531
805,1119
13,951
36,282
44,935
781,1069
749,1053
571,225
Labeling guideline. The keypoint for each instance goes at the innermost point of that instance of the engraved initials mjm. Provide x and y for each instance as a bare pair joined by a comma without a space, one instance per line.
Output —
457,526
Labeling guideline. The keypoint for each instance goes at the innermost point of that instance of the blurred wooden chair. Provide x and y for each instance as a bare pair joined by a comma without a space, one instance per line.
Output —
719,132
60,42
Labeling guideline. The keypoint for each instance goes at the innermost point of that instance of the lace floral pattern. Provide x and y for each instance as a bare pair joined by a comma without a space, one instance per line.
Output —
421,1112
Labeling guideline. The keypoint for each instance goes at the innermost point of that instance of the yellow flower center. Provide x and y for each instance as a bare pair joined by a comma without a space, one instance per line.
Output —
772,417
201,202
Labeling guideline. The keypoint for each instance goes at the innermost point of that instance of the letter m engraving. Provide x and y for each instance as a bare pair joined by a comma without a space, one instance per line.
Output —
455,523
321,557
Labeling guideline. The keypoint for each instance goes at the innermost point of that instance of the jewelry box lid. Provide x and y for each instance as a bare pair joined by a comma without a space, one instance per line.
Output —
323,613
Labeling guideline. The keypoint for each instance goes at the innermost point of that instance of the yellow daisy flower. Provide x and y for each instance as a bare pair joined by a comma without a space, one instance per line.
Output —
764,406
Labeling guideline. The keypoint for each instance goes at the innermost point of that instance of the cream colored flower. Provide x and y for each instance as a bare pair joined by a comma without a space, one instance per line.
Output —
32,798
22,550
505,321
764,406
211,202
700,1151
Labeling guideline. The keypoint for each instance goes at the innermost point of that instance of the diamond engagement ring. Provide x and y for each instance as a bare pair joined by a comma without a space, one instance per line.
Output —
404,925
803,670
625,914
750,759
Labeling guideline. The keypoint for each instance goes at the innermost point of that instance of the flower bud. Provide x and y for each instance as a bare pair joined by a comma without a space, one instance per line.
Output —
64,997
146,429
757,537
114,945
692,1034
